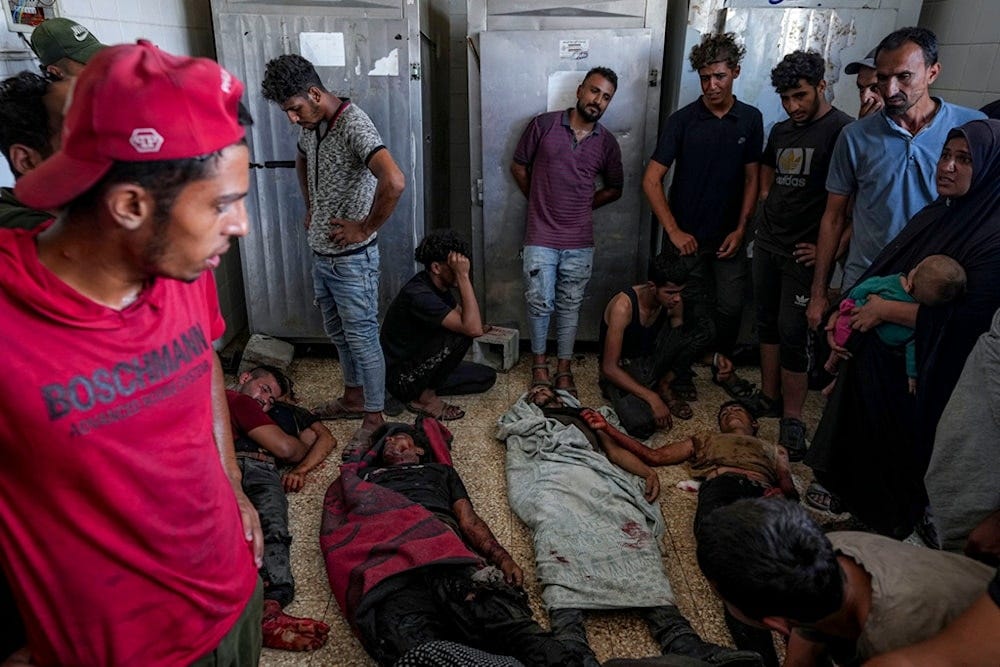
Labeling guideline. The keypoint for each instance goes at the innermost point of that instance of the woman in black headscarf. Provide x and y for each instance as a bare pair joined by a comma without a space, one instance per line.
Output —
874,441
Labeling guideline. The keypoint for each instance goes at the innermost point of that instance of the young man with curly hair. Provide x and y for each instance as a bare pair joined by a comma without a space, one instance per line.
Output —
714,146
792,199
426,332
351,185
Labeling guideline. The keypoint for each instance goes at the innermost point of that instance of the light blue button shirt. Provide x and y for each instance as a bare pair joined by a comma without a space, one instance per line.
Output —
891,173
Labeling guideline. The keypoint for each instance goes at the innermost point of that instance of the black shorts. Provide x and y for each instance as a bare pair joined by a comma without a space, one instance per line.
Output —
782,288
724,490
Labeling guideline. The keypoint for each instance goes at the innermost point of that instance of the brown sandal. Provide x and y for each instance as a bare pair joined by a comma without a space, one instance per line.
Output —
569,386
543,383
449,412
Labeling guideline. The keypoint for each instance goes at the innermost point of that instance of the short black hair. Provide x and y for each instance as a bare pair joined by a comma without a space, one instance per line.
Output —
922,37
717,47
767,557
667,268
289,76
739,404
435,247
795,66
420,438
284,382
23,116
606,72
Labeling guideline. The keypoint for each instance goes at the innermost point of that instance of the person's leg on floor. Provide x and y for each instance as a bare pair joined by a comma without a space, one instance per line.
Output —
416,381
497,619
567,627
400,621
539,271
572,276
468,378
635,414
675,635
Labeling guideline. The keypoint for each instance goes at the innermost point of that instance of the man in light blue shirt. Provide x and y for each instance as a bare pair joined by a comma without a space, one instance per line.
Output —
886,160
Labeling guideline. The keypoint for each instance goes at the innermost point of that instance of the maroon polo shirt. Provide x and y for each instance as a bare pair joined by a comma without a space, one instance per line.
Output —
563,173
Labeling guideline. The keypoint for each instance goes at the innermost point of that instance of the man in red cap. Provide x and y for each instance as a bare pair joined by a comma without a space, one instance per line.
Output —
123,529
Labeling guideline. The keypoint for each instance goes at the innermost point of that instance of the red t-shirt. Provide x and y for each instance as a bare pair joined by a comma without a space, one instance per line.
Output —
245,414
119,531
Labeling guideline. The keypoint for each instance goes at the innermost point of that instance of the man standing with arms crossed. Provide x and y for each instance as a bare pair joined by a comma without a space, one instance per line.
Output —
887,161
556,161
792,199
351,185
715,142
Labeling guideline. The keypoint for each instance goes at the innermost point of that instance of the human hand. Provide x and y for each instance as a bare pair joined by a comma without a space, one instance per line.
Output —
684,242
346,232
252,532
837,349
293,481
730,244
594,419
459,263
870,106
723,367
661,413
869,315
814,311
652,486
911,383
805,253
512,572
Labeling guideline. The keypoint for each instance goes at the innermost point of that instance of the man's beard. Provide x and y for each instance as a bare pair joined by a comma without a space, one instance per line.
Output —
587,115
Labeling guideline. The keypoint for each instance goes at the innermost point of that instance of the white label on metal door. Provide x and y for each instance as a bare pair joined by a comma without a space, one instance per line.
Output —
574,49
388,66
323,49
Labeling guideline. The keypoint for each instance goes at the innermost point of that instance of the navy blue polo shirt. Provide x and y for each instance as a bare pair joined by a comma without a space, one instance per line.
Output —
709,154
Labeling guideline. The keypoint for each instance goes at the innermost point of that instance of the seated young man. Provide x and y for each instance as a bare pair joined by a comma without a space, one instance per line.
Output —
645,343
844,596
482,608
426,332
296,436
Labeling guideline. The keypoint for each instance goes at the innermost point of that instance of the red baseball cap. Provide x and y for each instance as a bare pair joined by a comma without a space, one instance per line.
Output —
135,103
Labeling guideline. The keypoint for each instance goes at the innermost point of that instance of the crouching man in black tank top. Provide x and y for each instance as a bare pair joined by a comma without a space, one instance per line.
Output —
644,342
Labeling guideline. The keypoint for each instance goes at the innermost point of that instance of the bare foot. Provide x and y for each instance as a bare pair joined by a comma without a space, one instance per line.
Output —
290,633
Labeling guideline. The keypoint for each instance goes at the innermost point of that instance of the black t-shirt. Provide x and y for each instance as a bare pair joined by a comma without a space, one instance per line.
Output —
994,589
800,156
435,486
710,153
290,418
413,317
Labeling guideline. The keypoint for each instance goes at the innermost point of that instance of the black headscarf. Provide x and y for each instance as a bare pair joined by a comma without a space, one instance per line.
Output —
874,441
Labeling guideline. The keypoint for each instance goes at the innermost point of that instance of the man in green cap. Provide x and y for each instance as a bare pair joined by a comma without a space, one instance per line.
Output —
63,47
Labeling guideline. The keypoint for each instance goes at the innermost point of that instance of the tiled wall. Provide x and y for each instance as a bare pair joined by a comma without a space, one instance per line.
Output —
178,26
969,49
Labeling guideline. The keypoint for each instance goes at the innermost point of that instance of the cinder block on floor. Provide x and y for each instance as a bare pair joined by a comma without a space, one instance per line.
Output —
266,350
497,348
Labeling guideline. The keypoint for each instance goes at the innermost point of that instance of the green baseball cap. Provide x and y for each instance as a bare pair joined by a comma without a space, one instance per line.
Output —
61,38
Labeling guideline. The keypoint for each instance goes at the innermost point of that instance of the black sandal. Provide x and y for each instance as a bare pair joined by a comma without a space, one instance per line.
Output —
684,389
737,387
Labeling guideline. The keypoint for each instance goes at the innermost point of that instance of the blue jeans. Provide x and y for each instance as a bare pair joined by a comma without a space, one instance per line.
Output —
555,280
346,291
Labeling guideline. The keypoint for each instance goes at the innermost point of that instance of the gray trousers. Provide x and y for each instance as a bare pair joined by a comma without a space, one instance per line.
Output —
262,484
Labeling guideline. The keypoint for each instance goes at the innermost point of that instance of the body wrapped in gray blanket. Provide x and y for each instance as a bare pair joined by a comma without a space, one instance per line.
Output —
597,540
